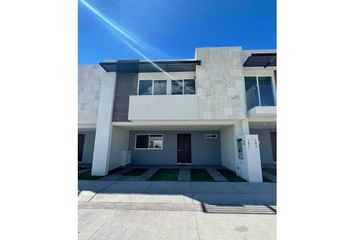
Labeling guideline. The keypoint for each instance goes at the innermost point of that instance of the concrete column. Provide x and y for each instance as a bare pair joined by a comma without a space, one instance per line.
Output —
101,154
119,144
248,165
252,169
245,126
228,145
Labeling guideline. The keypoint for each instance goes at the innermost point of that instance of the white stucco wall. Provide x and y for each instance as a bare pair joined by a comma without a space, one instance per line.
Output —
89,83
229,135
163,107
228,156
220,83
119,143
262,112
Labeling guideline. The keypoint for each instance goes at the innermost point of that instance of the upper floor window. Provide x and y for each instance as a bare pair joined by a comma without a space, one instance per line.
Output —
259,91
152,87
184,86
160,87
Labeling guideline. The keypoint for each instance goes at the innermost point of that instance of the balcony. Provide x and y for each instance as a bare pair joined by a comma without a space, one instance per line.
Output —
163,107
263,112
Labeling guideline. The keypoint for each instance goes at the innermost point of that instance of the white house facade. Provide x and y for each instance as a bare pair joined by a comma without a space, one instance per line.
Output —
218,109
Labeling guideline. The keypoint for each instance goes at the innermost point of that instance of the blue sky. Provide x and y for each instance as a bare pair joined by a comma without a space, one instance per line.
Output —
169,29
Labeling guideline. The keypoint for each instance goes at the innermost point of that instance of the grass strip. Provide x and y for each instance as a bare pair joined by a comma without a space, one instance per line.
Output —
165,175
200,175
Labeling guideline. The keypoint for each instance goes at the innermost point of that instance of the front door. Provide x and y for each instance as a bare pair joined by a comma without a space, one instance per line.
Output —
184,148
81,146
273,136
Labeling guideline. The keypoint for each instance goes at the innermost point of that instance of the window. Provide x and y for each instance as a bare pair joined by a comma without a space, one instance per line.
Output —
160,87
145,87
149,141
240,148
251,92
189,86
152,87
210,136
259,91
186,86
177,87
266,91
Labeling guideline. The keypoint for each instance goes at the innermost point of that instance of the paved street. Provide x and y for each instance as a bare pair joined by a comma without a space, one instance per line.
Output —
176,210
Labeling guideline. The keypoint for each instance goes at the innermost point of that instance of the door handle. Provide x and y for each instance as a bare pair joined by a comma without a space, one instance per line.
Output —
178,150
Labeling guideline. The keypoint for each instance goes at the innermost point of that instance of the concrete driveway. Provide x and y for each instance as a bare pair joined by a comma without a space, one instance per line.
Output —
176,210
178,192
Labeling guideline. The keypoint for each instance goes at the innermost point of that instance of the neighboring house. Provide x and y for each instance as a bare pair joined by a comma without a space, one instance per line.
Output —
211,110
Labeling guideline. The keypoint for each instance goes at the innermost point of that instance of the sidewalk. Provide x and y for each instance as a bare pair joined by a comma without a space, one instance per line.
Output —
176,210
99,224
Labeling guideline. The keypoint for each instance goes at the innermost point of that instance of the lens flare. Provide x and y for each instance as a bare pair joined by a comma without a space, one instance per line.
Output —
128,37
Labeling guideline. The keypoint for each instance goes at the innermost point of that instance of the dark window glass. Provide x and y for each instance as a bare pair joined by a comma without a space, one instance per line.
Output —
266,91
251,92
160,87
142,141
145,87
177,87
189,86
239,148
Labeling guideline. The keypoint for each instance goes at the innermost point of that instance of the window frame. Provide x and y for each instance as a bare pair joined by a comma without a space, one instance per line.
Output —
258,90
183,93
149,134
176,80
152,87
168,86
188,79
272,89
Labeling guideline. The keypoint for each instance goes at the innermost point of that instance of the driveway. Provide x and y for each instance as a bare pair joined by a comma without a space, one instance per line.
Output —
176,210
219,193
183,173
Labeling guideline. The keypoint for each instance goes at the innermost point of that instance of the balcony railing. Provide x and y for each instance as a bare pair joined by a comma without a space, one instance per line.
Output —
254,99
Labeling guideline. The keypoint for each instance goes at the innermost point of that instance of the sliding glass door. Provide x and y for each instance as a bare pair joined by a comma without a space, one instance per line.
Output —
259,91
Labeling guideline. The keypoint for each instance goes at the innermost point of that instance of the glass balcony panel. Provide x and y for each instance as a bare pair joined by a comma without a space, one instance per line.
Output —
266,91
251,92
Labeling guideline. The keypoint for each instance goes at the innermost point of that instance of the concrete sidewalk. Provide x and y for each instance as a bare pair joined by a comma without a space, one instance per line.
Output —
95,224
176,210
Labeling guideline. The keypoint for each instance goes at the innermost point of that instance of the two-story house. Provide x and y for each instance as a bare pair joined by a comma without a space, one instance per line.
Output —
216,109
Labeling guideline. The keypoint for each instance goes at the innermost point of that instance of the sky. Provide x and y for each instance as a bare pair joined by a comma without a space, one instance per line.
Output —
171,29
